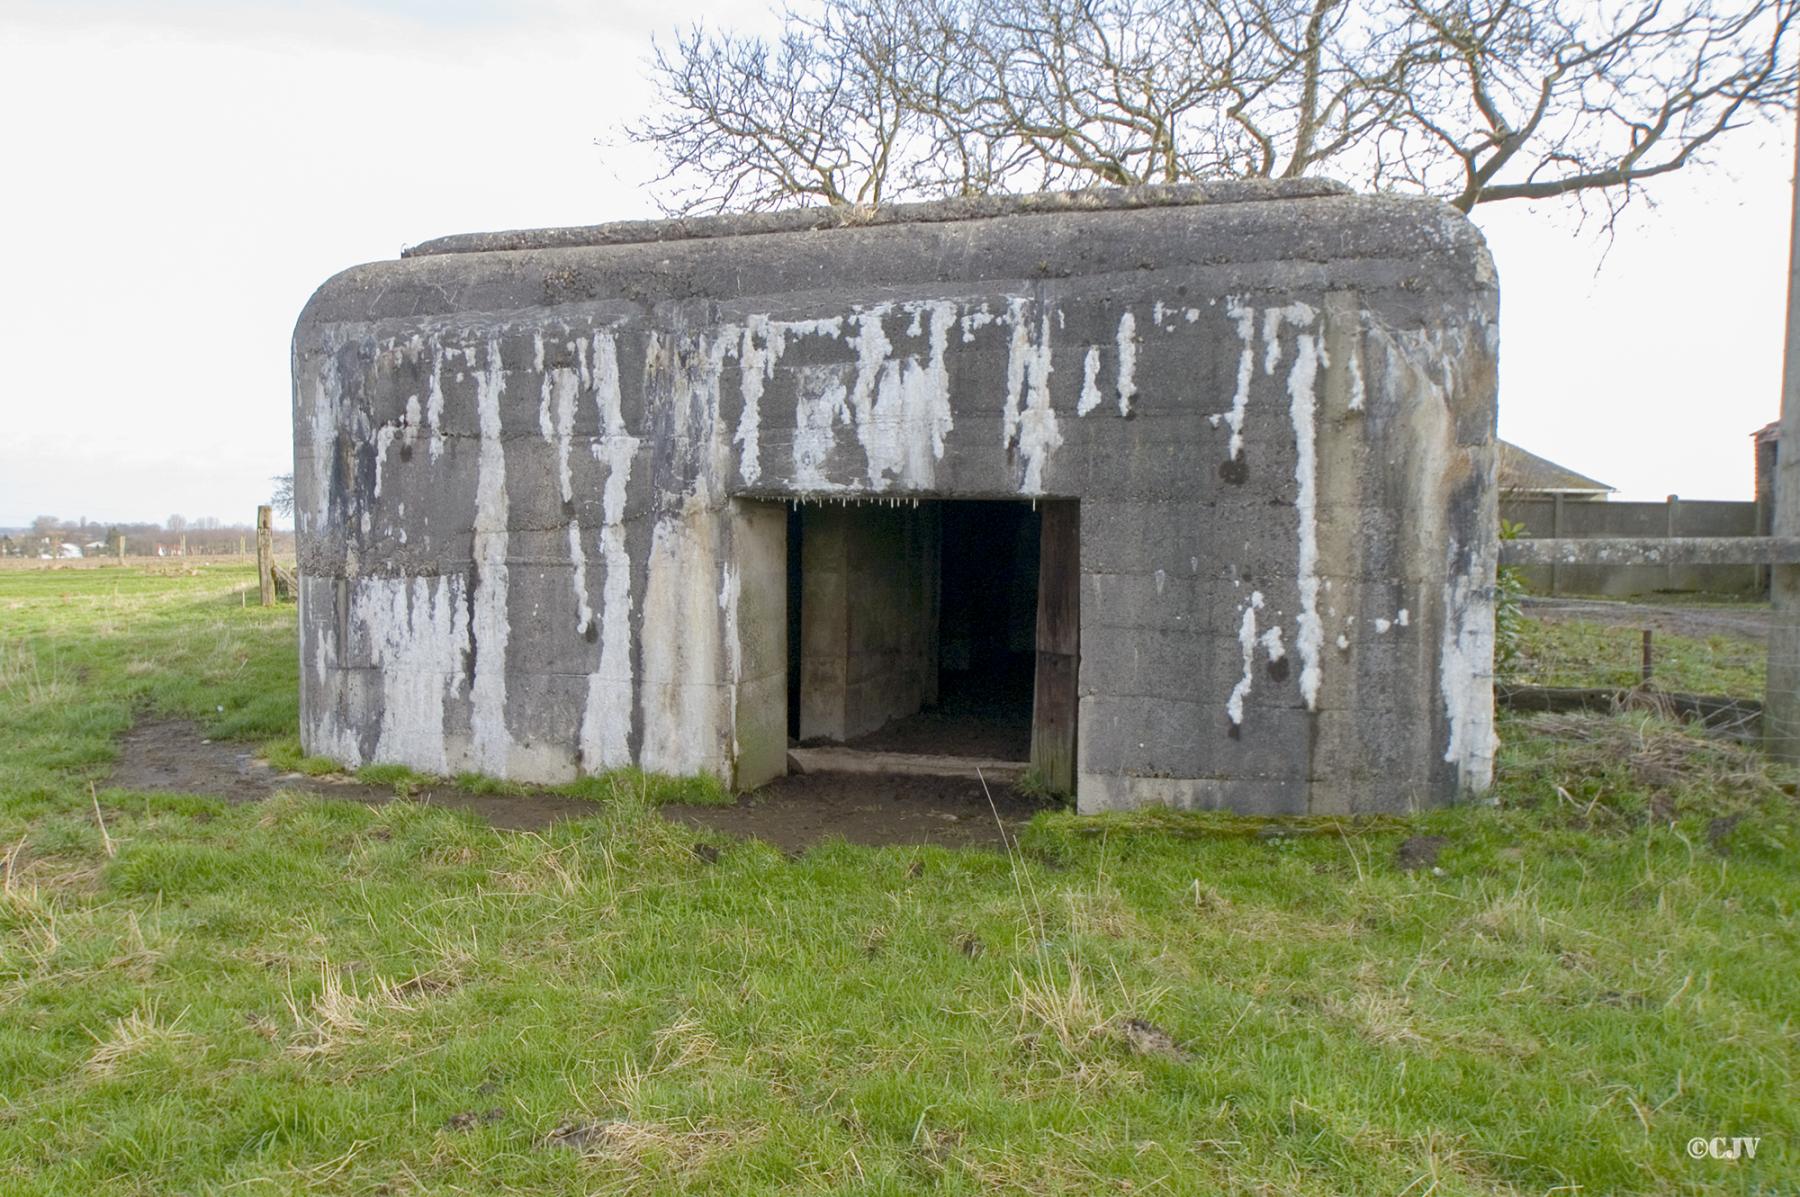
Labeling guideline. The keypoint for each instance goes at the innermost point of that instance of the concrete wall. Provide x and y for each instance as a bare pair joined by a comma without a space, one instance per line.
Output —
1676,517
531,480
868,617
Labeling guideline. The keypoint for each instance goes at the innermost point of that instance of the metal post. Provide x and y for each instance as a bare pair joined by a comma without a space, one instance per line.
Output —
1781,699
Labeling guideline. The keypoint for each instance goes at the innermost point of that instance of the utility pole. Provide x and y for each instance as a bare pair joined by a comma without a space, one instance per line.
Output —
1781,697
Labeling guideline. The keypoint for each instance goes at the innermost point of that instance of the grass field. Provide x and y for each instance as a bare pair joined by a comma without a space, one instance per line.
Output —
303,996
1578,653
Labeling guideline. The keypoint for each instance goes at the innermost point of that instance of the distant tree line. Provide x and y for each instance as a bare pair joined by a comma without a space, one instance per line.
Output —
199,536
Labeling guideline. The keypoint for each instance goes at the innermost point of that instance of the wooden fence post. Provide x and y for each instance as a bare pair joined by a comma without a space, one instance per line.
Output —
265,556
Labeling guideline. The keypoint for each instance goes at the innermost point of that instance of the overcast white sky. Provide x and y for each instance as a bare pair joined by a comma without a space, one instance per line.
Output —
180,176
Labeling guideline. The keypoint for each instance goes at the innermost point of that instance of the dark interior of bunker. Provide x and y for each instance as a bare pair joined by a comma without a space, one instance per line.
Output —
969,690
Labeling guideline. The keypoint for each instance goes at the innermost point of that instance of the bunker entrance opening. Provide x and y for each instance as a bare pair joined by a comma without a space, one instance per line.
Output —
934,631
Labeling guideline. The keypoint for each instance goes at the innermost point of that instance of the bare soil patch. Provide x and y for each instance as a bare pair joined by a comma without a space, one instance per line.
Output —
799,811
175,756
1419,852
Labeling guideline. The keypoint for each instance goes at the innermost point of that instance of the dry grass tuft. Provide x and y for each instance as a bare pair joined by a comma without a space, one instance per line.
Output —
340,1011
1101,911
1654,754
1380,1017
24,677
684,1041
136,1032
25,911
539,868
641,1145
1058,1001
1058,998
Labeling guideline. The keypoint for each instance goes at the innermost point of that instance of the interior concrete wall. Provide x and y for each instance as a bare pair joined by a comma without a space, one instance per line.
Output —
868,614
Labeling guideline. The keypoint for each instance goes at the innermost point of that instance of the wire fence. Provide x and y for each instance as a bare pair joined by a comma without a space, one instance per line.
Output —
1672,647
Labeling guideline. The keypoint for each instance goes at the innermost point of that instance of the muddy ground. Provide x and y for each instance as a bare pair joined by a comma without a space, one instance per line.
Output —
175,756
798,811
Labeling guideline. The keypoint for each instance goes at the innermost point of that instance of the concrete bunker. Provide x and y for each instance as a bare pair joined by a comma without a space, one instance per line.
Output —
674,494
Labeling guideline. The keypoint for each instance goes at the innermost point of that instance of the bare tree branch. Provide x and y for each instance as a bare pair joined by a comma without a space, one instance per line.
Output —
1476,101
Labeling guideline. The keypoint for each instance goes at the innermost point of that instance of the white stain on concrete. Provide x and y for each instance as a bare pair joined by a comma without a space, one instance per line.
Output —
434,400
1090,382
1465,678
1272,645
384,438
821,401
901,405
605,735
1128,347
1028,421
1244,317
1309,631
1234,705
491,628
758,347
681,636
417,630
730,585
974,320
561,393
322,413
757,357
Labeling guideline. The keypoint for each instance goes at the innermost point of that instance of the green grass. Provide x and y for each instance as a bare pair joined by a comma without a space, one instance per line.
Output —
312,997
1577,653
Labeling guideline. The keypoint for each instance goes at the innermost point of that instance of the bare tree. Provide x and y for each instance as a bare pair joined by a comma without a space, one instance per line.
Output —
282,500
822,114
1476,101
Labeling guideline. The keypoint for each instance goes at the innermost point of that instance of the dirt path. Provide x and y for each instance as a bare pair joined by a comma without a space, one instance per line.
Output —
174,756
799,811
1747,622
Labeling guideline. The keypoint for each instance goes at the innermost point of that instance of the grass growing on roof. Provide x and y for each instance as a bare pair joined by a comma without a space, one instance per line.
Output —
308,996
